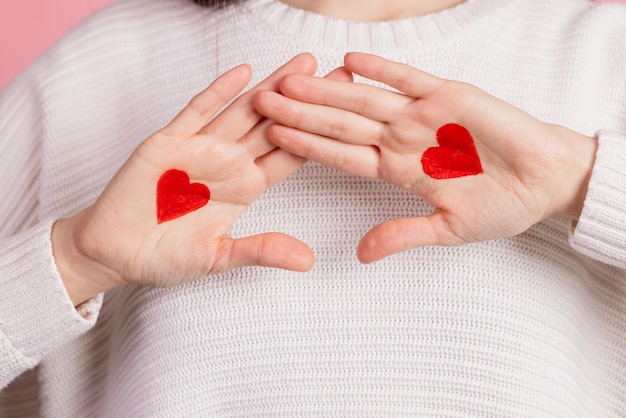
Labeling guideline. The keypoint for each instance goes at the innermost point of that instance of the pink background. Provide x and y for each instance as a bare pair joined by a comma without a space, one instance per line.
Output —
28,27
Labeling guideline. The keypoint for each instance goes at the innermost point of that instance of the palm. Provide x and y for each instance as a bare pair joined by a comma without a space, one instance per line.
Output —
195,244
377,133
232,156
502,201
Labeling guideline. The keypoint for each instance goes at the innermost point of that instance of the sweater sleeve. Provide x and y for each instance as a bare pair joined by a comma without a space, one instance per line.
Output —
600,233
36,313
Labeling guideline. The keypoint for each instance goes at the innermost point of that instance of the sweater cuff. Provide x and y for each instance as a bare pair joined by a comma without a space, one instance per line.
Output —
36,312
600,233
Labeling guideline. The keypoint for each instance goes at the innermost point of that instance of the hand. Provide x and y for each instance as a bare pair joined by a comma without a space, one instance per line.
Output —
531,170
118,240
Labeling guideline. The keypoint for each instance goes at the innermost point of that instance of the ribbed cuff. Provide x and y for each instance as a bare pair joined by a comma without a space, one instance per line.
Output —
600,232
36,312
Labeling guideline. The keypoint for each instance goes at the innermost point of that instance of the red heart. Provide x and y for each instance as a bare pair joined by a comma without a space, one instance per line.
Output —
176,196
456,155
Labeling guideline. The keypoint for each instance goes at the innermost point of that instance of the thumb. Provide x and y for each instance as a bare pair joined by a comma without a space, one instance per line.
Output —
405,234
271,250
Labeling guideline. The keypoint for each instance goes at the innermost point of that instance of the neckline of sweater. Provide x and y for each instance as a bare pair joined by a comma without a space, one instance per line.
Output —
318,31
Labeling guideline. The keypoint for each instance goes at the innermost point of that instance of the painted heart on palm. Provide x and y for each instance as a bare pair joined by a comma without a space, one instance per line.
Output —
177,196
456,155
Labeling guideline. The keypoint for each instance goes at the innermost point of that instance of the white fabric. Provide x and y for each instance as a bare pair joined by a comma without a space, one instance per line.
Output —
529,326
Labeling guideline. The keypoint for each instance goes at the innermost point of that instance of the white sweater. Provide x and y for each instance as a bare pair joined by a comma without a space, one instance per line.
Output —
533,326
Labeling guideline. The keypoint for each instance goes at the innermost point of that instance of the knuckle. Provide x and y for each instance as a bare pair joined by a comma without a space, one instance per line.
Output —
361,103
341,160
336,128
292,117
307,150
198,107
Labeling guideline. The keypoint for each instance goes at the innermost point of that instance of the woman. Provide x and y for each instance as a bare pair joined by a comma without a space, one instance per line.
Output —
523,321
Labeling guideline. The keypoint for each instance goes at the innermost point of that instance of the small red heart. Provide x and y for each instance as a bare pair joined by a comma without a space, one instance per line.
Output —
456,155
176,196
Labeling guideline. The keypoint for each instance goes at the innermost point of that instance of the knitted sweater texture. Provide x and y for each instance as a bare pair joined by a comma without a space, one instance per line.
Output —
533,325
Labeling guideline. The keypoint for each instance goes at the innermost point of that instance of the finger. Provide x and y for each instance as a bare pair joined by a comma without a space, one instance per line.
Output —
278,165
352,159
241,115
271,250
372,102
400,76
340,124
340,74
205,105
256,142
404,234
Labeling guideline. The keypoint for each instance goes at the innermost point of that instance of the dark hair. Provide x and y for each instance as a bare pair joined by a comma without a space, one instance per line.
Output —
215,3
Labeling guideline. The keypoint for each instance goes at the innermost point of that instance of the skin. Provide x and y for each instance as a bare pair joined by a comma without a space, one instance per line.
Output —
111,243
532,170
372,10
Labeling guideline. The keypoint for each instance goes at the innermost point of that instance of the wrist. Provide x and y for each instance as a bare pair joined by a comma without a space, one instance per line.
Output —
83,277
580,156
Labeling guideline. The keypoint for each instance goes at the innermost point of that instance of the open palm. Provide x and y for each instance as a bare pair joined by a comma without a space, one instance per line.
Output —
231,155
529,170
